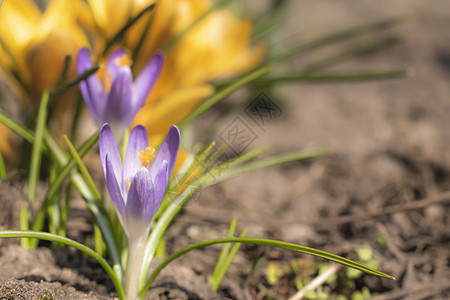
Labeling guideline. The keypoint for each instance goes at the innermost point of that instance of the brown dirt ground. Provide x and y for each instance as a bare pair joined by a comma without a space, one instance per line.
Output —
387,178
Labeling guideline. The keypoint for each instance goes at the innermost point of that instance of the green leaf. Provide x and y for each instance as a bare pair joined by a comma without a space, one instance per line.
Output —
55,238
337,77
56,185
226,263
83,169
127,26
265,242
365,49
238,83
17,128
223,261
94,204
2,167
36,153
338,37
264,163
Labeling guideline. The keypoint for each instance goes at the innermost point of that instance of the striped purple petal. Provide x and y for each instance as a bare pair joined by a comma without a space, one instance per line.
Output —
91,88
167,152
141,199
119,98
146,79
108,146
137,142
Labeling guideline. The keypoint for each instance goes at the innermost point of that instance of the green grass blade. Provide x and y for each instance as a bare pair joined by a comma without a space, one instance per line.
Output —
127,26
65,171
94,204
83,169
64,86
226,256
339,36
227,262
17,128
330,77
273,243
56,186
262,163
65,210
223,254
233,86
2,167
24,222
366,49
68,242
36,153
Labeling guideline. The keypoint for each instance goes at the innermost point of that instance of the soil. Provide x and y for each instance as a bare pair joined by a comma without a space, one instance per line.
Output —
384,187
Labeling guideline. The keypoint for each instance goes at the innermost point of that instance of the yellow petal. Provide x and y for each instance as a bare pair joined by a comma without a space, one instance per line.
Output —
19,21
158,116
111,16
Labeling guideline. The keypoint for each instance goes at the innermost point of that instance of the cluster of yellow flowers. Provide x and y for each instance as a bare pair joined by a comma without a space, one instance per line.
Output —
34,44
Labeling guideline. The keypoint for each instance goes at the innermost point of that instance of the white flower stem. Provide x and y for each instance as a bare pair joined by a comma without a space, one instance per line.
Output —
136,249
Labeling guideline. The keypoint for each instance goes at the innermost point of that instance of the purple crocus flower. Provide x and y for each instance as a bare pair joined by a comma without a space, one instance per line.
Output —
136,189
117,100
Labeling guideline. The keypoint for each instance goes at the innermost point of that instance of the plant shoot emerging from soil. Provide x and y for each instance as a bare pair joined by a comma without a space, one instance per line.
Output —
137,189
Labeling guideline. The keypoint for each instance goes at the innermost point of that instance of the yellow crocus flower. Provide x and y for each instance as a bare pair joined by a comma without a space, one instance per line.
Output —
34,44
217,47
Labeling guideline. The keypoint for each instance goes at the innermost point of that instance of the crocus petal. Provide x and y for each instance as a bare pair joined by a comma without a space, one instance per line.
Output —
114,191
160,184
167,152
108,147
91,88
112,67
137,142
146,79
118,109
141,200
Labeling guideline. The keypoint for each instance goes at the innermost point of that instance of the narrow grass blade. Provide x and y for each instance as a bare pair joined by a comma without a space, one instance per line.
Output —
233,86
223,269
56,186
72,243
67,85
225,250
339,36
36,153
17,128
24,222
83,169
226,256
127,26
264,163
366,49
330,77
273,243
93,203
2,167
99,244
65,210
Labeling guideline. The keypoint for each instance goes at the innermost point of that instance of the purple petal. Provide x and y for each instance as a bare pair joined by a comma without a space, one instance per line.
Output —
114,191
108,147
112,67
160,182
167,152
141,200
137,142
91,88
146,79
119,98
